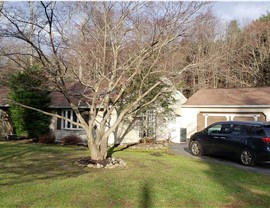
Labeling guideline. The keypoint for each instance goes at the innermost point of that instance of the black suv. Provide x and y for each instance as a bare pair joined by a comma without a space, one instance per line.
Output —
247,141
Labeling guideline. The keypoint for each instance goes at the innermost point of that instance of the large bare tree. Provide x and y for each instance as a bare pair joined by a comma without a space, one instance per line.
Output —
113,51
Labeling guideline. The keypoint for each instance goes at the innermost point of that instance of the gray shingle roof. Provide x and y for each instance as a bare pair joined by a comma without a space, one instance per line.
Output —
233,96
57,99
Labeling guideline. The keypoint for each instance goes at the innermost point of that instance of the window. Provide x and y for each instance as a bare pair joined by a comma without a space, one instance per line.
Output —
237,129
267,130
151,123
147,124
233,129
226,129
70,115
255,131
214,129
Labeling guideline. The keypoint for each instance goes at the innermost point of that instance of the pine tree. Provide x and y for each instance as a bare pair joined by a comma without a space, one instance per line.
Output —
29,88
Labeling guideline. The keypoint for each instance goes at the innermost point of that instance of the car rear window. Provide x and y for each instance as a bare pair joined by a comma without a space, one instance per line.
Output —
256,131
267,130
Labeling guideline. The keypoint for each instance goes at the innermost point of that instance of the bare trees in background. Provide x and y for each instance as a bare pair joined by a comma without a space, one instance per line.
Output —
238,58
114,51
256,50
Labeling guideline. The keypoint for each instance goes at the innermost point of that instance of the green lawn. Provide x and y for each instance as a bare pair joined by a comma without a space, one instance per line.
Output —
34,175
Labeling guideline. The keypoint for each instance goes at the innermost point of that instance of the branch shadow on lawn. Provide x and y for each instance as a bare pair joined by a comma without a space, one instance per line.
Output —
115,149
35,162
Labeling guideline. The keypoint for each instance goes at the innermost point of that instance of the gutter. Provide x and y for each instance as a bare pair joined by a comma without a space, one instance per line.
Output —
65,107
51,107
5,106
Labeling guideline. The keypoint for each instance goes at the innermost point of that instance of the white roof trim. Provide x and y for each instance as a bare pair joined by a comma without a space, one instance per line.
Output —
65,107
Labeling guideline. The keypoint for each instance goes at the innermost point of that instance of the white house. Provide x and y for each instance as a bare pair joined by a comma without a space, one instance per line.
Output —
130,130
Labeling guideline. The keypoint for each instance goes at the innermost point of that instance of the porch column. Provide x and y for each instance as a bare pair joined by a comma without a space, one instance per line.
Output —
205,120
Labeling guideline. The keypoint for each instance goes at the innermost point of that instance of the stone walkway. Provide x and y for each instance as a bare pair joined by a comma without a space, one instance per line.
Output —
180,149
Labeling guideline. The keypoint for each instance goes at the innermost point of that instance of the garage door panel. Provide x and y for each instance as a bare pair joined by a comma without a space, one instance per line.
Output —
213,119
206,118
241,118
245,118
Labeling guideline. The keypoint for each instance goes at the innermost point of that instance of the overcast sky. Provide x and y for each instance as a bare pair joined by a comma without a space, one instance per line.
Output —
243,11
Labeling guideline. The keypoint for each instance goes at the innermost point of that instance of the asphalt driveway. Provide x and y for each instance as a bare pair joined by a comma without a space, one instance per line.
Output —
182,149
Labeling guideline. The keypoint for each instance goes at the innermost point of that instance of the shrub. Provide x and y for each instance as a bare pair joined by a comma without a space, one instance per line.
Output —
22,138
30,88
46,138
71,140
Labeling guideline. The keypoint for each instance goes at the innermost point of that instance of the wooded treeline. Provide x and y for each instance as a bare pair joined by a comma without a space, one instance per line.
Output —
233,57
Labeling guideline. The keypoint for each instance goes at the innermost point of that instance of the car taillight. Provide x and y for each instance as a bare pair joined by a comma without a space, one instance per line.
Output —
266,140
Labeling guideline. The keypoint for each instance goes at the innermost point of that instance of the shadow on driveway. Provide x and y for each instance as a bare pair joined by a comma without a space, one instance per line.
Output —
182,149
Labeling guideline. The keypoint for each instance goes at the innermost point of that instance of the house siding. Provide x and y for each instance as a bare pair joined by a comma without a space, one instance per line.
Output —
129,130
125,133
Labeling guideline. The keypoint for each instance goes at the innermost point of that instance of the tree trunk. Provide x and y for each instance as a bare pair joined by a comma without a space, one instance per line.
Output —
98,148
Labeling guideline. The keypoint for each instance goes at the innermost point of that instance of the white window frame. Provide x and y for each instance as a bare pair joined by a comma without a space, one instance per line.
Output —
149,117
70,114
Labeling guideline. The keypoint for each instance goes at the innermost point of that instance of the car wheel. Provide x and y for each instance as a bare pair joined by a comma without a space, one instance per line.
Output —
247,157
196,148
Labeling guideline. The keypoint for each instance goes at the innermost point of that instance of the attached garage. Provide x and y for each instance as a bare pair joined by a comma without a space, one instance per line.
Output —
204,119
212,105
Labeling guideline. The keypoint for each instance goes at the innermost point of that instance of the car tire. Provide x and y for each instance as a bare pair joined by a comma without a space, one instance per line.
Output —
247,157
196,148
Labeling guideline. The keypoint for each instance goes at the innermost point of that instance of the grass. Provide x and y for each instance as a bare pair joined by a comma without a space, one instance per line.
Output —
34,175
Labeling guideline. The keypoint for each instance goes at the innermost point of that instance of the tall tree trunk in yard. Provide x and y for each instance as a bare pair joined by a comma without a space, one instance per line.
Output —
98,147
98,151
